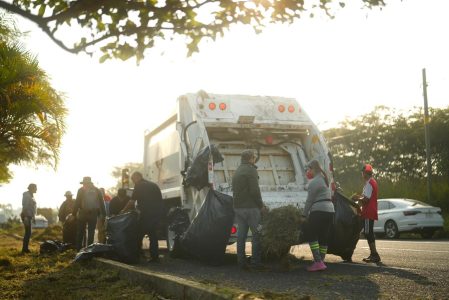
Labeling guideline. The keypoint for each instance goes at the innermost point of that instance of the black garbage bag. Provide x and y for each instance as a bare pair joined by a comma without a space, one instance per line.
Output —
69,230
178,221
52,246
95,250
346,230
197,173
122,234
344,233
208,234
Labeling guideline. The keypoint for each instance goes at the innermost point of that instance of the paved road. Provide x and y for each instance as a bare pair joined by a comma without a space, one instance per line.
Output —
410,269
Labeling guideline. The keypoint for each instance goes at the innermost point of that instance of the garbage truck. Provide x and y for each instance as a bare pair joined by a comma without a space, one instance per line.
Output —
276,128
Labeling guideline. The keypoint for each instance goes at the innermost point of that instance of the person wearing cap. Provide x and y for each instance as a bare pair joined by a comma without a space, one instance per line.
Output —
88,208
319,211
248,207
28,214
66,207
368,200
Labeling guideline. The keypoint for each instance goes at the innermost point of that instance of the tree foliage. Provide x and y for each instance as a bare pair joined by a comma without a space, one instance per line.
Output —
117,174
394,143
31,112
125,28
48,213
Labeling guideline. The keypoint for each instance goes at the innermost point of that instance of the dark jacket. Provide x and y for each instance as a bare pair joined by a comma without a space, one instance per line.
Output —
245,186
65,209
117,204
149,199
79,203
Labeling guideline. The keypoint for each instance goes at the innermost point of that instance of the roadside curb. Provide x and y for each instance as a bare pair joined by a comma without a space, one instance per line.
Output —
168,285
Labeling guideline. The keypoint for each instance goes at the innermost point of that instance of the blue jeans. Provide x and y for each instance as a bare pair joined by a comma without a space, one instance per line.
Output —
248,218
91,220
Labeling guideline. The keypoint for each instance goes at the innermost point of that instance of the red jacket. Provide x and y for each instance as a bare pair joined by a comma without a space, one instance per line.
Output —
369,210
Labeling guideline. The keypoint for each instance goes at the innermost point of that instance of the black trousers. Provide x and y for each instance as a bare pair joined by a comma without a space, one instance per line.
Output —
368,230
149,227
89,219
319,226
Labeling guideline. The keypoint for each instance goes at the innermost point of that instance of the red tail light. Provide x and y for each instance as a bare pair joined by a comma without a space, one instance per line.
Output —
212,106
291,108
281,108
411,212
269,139
222,106
233,230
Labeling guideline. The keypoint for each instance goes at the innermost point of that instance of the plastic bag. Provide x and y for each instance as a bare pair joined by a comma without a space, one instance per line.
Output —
52,246
346,230
208,234
95,250
197,174
122,234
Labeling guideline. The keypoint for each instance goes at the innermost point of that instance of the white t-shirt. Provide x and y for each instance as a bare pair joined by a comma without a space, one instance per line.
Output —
367,190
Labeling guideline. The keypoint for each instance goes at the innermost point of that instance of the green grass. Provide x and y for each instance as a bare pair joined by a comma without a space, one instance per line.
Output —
35,276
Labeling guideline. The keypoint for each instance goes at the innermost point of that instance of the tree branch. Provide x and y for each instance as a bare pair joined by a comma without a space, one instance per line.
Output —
37,20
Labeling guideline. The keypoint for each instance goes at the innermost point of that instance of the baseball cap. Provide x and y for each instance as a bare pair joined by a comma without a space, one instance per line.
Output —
367,168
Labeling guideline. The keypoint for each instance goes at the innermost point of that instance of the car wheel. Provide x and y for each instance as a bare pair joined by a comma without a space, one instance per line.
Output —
427,234
391,230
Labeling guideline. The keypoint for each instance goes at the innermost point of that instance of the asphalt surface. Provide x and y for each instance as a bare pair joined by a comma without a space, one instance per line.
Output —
413,269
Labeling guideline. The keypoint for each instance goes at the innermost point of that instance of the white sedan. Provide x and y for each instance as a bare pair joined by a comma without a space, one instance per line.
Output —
407,215
40,222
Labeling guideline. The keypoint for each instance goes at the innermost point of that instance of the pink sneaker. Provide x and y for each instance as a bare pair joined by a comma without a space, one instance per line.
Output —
317,266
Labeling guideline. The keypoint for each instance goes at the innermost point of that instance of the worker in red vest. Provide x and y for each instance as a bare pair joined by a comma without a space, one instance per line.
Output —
368,201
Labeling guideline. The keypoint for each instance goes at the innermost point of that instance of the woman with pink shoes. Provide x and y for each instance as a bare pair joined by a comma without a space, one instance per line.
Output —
319,211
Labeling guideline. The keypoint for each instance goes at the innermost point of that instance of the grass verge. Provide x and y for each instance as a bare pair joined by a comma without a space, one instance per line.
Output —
54,276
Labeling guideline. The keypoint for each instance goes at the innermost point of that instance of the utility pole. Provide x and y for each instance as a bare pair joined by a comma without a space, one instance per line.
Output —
427,135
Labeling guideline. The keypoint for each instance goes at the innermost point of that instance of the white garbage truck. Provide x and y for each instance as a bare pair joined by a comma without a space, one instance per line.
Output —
278,129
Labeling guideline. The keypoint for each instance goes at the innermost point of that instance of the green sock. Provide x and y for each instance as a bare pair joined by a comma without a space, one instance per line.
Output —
323,252
315,248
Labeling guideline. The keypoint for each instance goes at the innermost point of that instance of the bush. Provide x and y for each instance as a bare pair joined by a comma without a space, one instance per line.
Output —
280,231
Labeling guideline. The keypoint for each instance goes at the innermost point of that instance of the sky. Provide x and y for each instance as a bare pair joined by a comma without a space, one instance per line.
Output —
334,68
